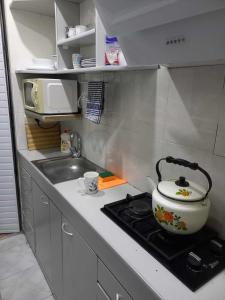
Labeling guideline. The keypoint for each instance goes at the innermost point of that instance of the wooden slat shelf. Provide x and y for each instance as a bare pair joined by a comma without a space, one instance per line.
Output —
52,118
42,138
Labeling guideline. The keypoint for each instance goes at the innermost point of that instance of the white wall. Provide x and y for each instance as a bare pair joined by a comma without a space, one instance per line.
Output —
29,35
151,114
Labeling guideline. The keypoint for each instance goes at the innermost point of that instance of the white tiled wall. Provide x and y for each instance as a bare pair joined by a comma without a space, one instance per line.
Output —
153,113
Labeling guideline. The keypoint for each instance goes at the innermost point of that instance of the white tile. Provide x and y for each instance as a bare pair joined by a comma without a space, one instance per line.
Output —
27,285
220,145
220,138
12,241
137,169
221,124
17,258
193,107
49,298
184,130
214,165
149,114
207,92
96,139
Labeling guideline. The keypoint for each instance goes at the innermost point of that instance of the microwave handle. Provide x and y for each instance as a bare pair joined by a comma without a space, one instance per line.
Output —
34,91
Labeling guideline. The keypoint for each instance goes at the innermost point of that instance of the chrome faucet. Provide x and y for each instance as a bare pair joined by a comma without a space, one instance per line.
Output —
75,148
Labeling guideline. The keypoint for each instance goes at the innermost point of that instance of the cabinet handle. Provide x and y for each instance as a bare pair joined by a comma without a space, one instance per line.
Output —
118,296
45,203
66,232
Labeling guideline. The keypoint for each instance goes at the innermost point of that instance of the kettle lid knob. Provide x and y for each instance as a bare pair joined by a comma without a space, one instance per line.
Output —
182,182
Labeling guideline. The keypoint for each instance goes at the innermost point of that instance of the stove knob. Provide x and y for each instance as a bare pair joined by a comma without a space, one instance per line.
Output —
194,261
217,247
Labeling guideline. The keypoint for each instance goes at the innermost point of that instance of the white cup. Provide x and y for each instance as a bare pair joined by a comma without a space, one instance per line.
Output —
76,59
80,29
89,182
71,31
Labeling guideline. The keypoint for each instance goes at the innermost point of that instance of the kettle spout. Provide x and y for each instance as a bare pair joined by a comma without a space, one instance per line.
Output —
152,184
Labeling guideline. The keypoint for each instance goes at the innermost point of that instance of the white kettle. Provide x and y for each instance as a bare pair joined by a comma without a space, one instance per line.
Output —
181,206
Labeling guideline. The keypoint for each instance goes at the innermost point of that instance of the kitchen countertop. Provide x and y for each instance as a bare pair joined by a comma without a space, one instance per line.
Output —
157,277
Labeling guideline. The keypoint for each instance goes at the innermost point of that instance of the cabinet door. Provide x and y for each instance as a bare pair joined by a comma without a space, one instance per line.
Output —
56,251
110,284
27,207
42,229
101,294
79,266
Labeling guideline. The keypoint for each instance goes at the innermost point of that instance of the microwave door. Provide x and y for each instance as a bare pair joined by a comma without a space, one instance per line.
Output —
28,96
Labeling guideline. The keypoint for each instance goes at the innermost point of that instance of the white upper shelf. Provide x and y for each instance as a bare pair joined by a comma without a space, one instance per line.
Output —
83,39
88,70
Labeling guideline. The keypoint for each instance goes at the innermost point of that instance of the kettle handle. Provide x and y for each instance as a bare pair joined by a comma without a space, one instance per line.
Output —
187,164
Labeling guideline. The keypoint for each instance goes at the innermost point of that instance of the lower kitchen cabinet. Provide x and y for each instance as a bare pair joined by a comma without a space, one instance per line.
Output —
108,286
79,266
27,207
101,294
42,229
73,270
56,252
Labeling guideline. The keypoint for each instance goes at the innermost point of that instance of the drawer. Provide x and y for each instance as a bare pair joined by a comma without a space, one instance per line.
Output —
110,284
101,294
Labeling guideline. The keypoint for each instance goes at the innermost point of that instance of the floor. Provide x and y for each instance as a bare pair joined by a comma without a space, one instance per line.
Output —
20,274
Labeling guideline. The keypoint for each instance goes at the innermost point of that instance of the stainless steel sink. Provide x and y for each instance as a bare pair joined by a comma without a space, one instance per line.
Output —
61,169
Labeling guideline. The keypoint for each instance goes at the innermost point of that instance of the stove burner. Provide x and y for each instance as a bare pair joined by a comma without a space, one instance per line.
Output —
134,215
137,208
140,207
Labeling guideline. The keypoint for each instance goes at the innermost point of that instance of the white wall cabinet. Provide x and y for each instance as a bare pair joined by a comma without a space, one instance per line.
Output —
89,44
173,33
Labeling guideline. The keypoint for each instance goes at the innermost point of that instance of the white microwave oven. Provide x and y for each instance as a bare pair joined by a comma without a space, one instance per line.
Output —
50,96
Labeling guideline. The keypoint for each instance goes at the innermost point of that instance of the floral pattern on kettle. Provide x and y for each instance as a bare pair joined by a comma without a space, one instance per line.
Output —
183,192
169,218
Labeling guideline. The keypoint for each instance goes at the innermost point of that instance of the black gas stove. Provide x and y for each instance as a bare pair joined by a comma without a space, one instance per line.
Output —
194,259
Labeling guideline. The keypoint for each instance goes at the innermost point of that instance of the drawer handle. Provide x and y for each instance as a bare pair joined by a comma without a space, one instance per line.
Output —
118,296
45,203
66,232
